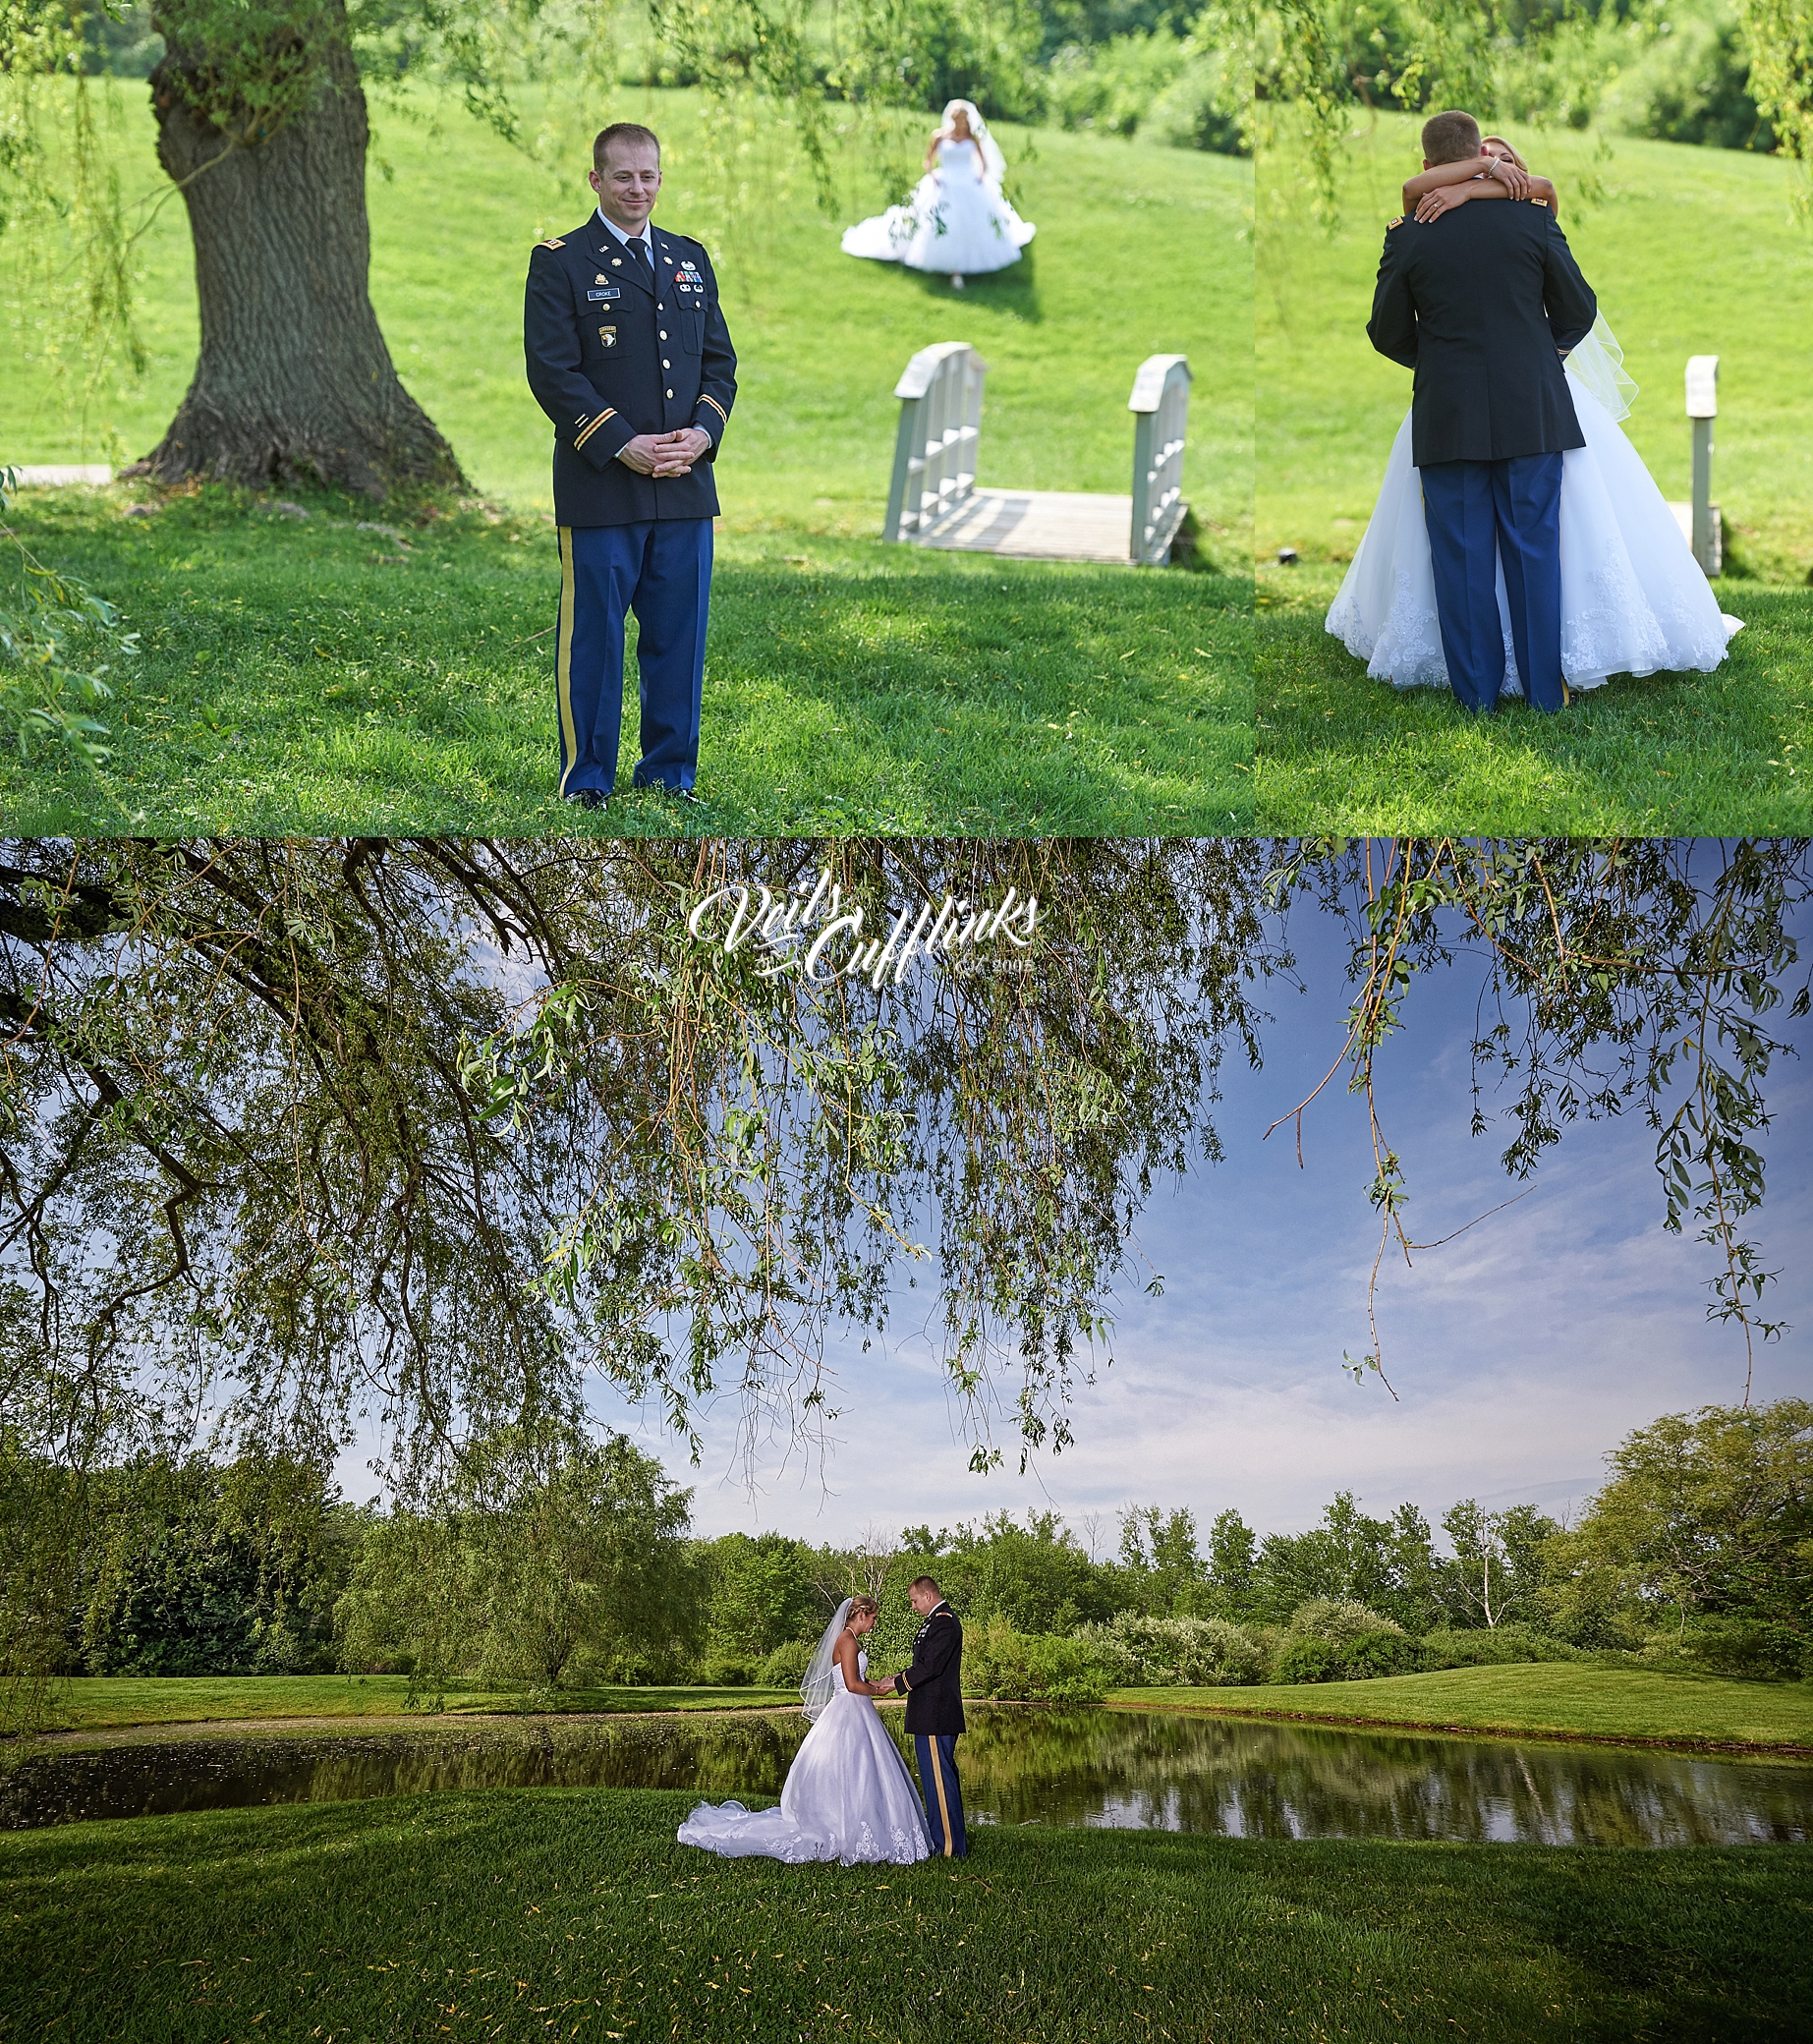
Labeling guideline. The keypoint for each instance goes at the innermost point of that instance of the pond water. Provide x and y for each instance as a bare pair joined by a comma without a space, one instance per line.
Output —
1135,1770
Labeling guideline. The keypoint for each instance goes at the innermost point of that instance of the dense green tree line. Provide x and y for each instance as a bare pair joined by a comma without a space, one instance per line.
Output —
556,1561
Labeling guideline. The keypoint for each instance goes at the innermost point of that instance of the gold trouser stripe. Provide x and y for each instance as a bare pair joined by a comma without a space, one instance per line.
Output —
716,406
581,440
563,656
938,1775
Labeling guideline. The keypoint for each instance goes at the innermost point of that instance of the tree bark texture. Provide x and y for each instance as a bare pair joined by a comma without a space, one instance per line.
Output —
294,381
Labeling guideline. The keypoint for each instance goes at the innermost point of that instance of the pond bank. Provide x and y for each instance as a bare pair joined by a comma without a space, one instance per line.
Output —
1435,1727
1573,1704
423,1724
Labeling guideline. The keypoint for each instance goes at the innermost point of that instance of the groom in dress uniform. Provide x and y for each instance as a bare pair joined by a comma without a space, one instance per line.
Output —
629,356
933,1689
1483,308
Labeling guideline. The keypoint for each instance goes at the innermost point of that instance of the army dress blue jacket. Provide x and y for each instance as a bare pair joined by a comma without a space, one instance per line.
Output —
612,354
933,1685
1482,304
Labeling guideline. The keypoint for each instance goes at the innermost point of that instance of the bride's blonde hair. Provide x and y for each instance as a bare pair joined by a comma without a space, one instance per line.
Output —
1506,148
862,1607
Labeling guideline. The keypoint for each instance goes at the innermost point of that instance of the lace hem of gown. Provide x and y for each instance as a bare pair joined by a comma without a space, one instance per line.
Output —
1633,598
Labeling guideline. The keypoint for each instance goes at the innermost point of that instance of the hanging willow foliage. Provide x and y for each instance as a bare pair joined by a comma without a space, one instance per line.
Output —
291,1134
1649,976
1497,58
296,1134
1780,35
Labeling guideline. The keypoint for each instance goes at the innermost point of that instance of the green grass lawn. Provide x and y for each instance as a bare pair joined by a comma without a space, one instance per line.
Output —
1556,1699
574,1914
300,676
296,681
93,1703
1691,251
1674,754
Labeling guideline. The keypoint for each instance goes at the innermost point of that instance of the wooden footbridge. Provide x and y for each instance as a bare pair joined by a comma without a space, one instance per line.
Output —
935,499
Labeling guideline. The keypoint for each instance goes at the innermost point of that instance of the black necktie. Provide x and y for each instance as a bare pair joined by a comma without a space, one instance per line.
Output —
633,250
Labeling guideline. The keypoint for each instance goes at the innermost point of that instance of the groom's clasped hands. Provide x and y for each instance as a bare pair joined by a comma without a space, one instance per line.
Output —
664,454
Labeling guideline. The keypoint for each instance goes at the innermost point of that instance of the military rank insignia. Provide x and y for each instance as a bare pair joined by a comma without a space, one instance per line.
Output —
1399,222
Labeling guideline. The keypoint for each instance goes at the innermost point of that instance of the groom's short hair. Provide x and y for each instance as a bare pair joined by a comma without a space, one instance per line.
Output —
925,1582
632,132
1451,138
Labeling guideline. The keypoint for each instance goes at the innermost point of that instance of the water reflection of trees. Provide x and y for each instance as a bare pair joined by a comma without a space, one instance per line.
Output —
1140,1770
1258,1779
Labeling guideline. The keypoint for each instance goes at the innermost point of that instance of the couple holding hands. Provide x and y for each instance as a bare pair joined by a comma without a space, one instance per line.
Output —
848,1796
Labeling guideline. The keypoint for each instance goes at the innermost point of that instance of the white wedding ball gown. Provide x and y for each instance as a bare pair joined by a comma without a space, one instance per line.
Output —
848,1796
1633,598
956,221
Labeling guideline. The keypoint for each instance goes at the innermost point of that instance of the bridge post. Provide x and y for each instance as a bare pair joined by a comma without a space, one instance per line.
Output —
1160,407
1703,409
940,431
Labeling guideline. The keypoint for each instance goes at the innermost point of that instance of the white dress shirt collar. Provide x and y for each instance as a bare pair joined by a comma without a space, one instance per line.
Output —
644,237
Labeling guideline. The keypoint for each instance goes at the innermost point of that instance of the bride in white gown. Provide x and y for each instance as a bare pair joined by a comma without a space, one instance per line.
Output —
1633,598
956,219
848,1796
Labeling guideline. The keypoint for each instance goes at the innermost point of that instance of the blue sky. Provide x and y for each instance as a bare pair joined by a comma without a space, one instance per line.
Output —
1520,1352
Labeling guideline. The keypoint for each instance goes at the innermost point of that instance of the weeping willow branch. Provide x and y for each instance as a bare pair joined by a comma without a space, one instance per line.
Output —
1622,973
1779,36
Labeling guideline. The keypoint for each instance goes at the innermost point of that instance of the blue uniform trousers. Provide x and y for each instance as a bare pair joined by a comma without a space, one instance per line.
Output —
1480,513
937,1784
661,570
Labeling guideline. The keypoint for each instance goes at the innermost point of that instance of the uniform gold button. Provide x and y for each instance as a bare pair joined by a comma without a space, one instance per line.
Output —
664,333
666,365
670,393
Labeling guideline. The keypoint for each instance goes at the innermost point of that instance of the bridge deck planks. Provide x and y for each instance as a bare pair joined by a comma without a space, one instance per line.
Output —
1039,524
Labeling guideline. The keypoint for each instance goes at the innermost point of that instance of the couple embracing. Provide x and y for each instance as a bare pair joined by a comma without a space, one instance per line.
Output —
848,1796
1518,547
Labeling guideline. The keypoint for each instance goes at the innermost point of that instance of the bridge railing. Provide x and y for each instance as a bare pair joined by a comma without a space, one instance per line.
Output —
1161,408
941,428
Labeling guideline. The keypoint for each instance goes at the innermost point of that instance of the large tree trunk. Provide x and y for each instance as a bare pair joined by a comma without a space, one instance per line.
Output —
294,379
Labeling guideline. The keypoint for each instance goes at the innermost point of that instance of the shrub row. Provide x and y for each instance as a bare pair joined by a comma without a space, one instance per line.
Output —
1327,1640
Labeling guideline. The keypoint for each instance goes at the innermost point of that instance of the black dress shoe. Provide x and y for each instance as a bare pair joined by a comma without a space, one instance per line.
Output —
588,798
673,794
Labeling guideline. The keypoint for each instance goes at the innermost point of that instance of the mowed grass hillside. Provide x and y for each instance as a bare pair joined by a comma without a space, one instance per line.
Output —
1691,251
306,675
573,1913
1552,1699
